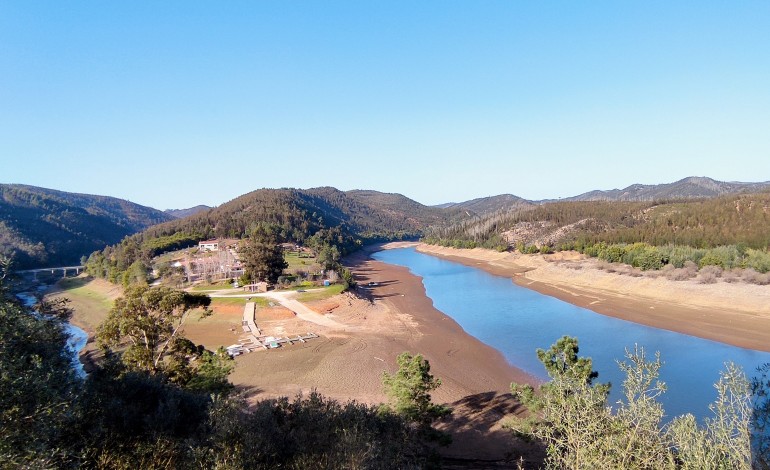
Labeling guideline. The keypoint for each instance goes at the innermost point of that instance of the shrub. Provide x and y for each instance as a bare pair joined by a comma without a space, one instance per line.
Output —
711,259
571,418
709,274
758,260
753,277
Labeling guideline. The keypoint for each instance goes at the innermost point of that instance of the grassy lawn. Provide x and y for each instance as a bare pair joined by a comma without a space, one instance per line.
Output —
91,300
326,293
260,301
297,262
215,286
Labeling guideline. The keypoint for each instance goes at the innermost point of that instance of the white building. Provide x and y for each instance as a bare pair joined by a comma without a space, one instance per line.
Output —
208,245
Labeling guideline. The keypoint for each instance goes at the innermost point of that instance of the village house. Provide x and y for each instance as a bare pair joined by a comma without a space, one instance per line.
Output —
209,245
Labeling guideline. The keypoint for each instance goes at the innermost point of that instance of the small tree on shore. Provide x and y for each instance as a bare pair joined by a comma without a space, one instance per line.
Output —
409,392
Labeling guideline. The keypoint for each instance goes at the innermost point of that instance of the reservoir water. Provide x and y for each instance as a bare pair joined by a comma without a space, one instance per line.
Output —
516,321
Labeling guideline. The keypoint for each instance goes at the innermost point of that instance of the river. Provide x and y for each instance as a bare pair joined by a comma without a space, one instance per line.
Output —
77,338
516,321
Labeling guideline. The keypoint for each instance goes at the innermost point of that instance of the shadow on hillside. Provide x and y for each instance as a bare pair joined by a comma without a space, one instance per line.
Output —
479,439
248,392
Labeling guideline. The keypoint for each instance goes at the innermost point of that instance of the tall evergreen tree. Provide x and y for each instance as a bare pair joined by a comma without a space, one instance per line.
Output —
262,256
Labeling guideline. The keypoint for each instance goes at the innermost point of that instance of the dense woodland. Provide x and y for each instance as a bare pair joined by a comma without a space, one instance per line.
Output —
42,227
701,231
318,218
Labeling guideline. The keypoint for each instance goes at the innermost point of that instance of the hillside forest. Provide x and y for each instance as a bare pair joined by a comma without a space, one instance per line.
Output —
728,232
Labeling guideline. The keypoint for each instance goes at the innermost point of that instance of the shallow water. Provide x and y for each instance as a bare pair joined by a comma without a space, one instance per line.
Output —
516,321
77,337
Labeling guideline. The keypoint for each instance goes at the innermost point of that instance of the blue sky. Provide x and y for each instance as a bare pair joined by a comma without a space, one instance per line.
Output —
173,104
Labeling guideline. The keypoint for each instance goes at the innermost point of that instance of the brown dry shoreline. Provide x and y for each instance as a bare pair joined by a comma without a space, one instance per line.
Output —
395,315
380,322
733,314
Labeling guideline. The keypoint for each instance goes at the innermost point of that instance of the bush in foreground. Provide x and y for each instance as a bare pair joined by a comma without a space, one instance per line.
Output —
570,415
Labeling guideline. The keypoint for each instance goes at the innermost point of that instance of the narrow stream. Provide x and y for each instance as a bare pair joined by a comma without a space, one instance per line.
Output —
77,337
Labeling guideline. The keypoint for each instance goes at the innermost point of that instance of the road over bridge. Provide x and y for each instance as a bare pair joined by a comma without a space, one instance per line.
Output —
60,269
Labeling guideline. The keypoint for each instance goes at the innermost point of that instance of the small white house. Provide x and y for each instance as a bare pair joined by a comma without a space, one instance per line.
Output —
208,245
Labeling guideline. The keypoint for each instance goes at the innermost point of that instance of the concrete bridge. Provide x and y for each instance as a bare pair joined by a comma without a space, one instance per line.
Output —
61,269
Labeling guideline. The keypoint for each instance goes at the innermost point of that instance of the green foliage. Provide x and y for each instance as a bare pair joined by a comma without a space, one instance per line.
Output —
135,420
262,256
409,390
44,227
570,407
760,390
328,257
572,419
145,323
136,274
37,385
212,371
644,256
324,219
312,432
176,241
730,231
725,441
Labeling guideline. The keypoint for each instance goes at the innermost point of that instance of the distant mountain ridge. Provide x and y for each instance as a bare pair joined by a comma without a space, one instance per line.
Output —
47,227
44,227
693,187
182,213
486,205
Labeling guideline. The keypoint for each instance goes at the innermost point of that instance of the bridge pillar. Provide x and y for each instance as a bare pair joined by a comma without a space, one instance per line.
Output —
64,272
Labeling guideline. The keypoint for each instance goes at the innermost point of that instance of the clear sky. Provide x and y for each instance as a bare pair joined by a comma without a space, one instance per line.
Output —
173,104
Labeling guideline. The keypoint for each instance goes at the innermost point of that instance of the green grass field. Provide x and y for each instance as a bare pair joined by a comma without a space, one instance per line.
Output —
214,286
324,294
297,262
90,301
260,301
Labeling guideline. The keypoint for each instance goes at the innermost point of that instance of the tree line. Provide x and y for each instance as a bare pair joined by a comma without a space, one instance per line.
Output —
324,219
729,231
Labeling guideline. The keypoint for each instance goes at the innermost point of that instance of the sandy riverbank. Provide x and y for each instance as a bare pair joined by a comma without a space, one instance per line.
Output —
381,322
732,313
369,329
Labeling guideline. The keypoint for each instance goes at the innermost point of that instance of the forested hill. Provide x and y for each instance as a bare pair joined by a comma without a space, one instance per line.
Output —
487,205
44,227
316,217
301,212
693,187
182,213
702,223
